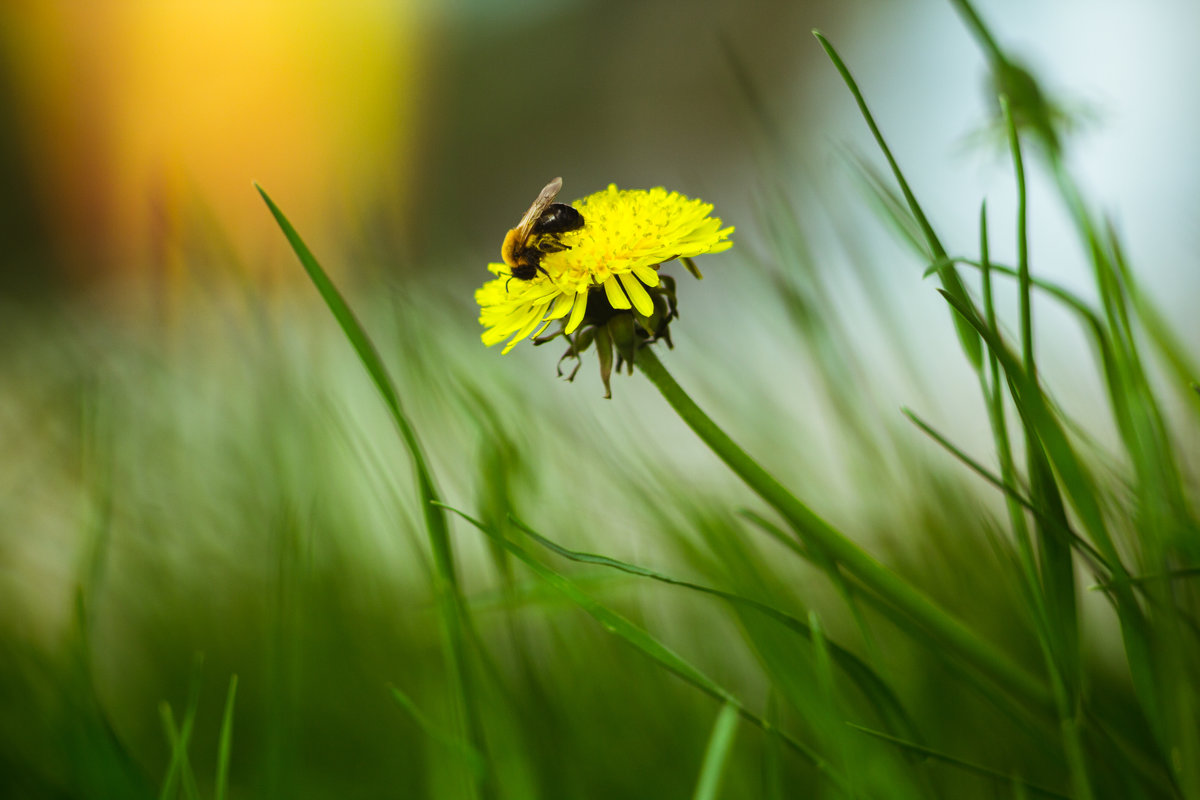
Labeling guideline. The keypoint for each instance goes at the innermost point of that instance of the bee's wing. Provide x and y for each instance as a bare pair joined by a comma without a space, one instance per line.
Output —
541,204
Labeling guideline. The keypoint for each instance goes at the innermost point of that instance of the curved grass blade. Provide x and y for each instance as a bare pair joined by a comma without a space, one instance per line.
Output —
472,757
893,589
950,280
1158,329
1026,718
451,605
179,770
890,204
1040,420
649,646
978,769
1170,575
716,755
1057,563
1093,325
773,752
1035,410
829,565
827,707
373,363
1061,528
225,742
874,688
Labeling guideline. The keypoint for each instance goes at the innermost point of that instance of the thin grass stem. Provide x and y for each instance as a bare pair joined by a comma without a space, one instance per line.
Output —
878,578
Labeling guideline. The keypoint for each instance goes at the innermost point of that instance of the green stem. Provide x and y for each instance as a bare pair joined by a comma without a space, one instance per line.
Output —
1014,142
874,575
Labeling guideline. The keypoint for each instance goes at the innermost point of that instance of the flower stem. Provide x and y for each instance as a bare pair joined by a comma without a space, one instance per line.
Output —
889,586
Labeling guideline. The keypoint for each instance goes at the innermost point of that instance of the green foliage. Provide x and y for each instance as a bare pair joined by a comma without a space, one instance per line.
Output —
237,489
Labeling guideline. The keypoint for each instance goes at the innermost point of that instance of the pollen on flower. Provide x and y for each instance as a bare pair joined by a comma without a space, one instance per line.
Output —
609,265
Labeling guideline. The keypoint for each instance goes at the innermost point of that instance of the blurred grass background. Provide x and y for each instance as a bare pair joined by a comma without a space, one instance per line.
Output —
196,464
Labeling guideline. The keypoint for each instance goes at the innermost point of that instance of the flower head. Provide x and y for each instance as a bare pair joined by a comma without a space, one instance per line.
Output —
606,269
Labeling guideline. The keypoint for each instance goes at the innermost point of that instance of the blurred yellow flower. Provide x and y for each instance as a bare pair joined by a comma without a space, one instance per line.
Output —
626,236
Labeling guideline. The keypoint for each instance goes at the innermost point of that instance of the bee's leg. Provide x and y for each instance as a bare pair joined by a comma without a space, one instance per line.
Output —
535,260
507,282
551,245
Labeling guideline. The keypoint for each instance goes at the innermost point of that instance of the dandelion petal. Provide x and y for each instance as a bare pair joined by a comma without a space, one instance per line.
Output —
577,312
616,297
638,294
561,305
647,275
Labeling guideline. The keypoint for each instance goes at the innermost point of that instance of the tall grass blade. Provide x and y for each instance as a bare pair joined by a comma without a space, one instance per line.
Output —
1081,490
180,777
716,755
225,742
881,697
373,363
451,605
179,769
911,602
951,282
642,641
1061,527
773,752
462,748
891,206
978,769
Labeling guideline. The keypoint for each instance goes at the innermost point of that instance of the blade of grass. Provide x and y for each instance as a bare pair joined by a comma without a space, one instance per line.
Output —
1174,574
1057,564
649,646
716,755
1160,332
992,387
369,356
451,605
773,752
225,742
1061,528
888,585
1027,718
978,769
890,205
1093,325
180,763
873,687
1163,515
828,708
473,758
1034,410
950,279
1026,294
179,767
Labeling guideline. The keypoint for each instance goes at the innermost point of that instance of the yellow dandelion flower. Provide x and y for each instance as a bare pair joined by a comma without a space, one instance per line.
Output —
607,266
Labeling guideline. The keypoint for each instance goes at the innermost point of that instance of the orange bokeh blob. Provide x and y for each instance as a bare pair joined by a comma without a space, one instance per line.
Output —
134,113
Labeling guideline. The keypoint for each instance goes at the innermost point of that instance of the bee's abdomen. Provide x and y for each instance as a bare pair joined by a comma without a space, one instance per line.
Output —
508,250
558,218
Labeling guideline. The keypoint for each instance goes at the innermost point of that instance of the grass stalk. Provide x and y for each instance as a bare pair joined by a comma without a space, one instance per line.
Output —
875,576
452,606
716,755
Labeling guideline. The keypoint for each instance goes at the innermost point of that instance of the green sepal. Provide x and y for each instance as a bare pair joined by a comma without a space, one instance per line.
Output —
604,348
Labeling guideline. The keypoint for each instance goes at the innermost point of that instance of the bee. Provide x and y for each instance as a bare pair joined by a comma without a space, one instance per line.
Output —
525,244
